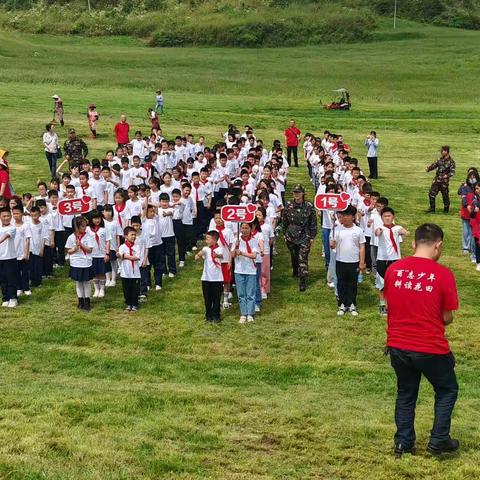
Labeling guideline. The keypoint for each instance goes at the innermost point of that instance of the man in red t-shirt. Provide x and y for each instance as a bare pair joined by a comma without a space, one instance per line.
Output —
292,136
421,296
121,130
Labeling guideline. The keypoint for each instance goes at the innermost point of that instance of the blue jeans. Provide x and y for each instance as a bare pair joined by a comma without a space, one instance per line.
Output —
326,244
468,241
52,162
246,289
258,291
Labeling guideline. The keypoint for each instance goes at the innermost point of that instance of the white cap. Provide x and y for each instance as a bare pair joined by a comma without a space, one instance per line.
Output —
55,96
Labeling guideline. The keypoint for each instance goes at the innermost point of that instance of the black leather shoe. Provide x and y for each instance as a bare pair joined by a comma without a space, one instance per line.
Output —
302,286
446,209
448,446
81,303
400,450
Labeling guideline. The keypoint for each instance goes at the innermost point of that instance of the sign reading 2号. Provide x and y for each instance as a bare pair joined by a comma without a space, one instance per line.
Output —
238,213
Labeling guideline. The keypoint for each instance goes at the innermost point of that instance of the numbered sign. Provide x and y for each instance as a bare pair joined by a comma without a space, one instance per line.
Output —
238,213
332,201
74,206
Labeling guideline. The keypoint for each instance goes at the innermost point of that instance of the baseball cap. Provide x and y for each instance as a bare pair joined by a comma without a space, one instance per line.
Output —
71,130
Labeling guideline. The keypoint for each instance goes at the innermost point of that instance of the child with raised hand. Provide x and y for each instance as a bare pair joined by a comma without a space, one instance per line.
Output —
22,248
130,269
212,276
100,254
245,253
389,238
80,246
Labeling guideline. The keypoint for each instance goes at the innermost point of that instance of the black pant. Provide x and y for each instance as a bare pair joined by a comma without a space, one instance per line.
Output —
167,255
52,163
180,237
368,256
47,261
36,269
373,166
212,295
144,279
8,279
59,250
439,371
201,222
347,277
190,241
477,250
293,150
131,291
23,279
155,261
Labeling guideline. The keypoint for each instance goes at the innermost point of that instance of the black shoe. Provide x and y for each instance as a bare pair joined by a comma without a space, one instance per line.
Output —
448,446
302,284
295,273
81,304
400,450
87,305
208,319
216,320
446,209
431,210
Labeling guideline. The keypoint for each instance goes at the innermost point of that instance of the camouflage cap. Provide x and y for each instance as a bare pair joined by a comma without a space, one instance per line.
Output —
298,188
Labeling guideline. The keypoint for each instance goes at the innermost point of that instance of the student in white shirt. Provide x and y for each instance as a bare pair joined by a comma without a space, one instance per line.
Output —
85,189
58,249
212,276
139,147
372,153
125,174
134,204
349,242
151,230
129,255
389,238
245,254
99,186
79,247
22,248
121,213
37,243
375,222
100,253
142,242
8,260
165,220
268,237
110,185
49,236
138,174
189,213
113,233
178,207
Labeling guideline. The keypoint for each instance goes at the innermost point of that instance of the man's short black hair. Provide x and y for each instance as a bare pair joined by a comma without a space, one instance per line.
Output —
428,233
387,210
213,234
350,210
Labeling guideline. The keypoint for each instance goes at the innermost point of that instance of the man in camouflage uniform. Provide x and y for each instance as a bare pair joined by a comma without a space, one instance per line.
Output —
75,149
300,224
445,166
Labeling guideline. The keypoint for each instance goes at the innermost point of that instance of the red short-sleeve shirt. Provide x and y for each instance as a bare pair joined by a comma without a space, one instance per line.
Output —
418,291
291,136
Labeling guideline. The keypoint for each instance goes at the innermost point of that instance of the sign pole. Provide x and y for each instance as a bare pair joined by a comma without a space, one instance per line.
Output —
395,15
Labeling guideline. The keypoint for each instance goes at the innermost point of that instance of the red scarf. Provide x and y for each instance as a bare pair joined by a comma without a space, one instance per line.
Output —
119,210
221,236
95,231
249,248
212,253
196,185
392,238
79,238
85,187
130,251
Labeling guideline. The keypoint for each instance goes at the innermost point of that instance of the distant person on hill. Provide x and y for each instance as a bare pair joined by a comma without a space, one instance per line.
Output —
121,130
58,110
292,137
159,102
372,154
92,116
445,167
152,115
421,296
50,145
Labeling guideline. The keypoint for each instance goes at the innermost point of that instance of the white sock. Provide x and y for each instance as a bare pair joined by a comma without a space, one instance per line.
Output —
96,284
79,288
86,289
108,276
101,285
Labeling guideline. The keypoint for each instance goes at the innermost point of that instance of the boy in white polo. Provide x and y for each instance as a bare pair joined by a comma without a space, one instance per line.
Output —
8,259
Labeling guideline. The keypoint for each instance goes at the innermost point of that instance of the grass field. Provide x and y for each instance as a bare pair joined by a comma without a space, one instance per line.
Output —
300,394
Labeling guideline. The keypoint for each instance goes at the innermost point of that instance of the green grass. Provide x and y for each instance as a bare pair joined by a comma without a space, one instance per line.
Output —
299,395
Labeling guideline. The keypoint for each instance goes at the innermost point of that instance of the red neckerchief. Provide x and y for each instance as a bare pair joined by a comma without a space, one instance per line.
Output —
212,253
85,188
119,210
79,238
366,202
392,238
249,248
221,236
130,251
95,231
196,185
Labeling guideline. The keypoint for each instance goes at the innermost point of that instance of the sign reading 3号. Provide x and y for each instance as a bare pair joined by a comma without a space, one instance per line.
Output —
74,206
238,213
332,201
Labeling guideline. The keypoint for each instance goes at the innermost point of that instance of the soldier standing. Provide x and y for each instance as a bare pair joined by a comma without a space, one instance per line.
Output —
445,166
300,223
75,149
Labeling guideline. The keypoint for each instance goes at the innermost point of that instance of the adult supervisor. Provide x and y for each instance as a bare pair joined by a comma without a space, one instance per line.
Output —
292,137
121,130
421,295
300,224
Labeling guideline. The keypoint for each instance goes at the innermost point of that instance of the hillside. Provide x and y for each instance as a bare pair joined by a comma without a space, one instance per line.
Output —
246,23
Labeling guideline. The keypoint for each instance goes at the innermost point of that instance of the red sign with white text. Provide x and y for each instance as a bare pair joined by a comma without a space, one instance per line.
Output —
238,213
332,201
74,206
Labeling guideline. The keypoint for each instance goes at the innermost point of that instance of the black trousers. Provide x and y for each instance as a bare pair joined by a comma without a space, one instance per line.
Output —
59,250
201,222
180,237
477,250
190,241
347,278
212,295
167,255
439,371
23,279
373,166
131,291
47,261
36,269
8,279
293,150
144,279
52,163
368,256
155,261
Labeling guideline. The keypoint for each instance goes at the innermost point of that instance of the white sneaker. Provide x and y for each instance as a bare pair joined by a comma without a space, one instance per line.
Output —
341,310
226,305
171,275
353,310
5,304
243,319
189,254
113,283
142,298
19,292
257,309
230,295
158,288
27,292
330,285
181,264
264,296
95,294
107,283
474,260
101,293
12,303
194,249
250,319
478,267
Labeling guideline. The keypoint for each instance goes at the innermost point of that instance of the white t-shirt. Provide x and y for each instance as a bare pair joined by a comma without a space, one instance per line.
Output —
376,222
7,248
138,175
348,243
135,208
37,238
385,245
151,230
100,246
129,268
46,221
188,211
112,232
80,259
165,222
267,232
212,268
23,233
228,246
99,186
245,265
57,219
122,218
139,147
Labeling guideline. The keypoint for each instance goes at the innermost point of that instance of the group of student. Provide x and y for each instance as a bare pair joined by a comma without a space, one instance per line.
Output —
145,205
